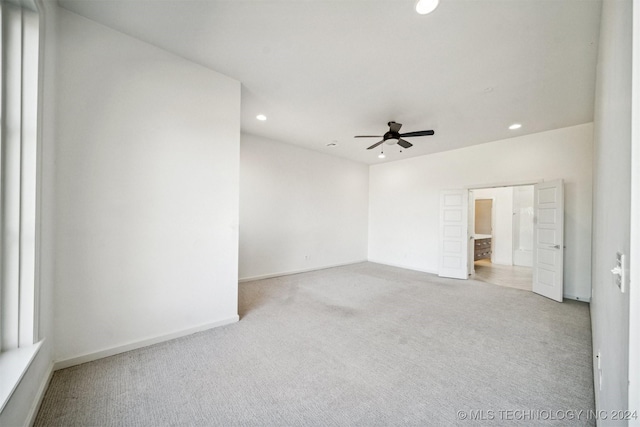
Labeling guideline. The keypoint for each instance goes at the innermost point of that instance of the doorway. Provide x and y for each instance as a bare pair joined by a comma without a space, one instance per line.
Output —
457,243
502,235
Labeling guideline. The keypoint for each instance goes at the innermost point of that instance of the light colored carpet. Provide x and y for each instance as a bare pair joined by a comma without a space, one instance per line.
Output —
363,345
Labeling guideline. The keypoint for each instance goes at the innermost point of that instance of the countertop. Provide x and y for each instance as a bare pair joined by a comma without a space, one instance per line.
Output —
481,236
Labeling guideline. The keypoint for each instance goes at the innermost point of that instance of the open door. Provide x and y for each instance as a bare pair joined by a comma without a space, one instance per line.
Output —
548,239
453,234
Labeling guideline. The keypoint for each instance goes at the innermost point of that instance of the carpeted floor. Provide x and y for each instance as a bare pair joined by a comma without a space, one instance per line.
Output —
362,345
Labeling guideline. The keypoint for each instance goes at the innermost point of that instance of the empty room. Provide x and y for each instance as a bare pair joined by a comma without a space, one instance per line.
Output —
282,213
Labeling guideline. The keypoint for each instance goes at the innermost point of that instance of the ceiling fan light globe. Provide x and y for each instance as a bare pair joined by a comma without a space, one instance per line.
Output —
424,7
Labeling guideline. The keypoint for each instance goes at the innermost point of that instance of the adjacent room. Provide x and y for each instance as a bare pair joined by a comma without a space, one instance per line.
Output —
247,212
502,228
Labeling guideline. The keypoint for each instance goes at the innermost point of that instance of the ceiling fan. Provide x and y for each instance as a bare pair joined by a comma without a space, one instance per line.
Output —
394,137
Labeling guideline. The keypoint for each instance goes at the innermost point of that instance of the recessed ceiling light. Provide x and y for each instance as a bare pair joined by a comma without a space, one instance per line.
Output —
424,7
261,117
381,156
515,126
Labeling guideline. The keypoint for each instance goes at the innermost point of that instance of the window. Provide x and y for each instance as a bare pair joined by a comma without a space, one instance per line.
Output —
19,36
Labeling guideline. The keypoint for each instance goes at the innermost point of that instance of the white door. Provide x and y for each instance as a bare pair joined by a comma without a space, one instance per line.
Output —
548,239
453,234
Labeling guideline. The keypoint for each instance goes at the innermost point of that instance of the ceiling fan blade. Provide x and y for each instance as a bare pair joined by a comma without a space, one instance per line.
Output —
418,133
404,144
394,127
367,136
375,145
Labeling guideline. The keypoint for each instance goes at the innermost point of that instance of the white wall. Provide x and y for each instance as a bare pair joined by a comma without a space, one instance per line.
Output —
612,189
502,233
147,193
299,209
404,196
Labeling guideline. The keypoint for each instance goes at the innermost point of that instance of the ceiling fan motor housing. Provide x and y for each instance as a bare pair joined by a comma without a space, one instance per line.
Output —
393,136
390,136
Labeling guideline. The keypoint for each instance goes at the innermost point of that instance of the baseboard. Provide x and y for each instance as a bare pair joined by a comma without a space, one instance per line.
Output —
406,267
288,273
573,297
33,412
89,357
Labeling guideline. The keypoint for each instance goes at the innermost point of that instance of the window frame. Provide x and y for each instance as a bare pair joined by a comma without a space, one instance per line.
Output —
19,175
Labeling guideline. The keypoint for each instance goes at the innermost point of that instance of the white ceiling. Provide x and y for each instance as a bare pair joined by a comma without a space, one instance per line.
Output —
324,71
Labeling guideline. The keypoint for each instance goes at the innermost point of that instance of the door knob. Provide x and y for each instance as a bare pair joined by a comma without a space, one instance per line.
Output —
555,246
